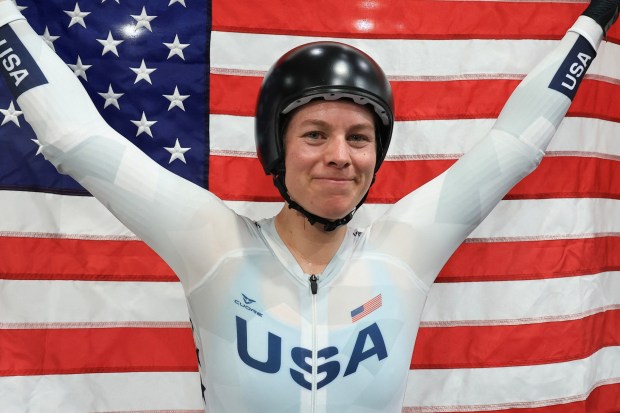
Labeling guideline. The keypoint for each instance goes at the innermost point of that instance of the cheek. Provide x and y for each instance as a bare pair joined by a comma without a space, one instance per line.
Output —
368,161
299,157
295,164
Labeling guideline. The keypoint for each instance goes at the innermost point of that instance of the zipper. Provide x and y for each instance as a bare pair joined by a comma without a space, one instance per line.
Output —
314,288
314,285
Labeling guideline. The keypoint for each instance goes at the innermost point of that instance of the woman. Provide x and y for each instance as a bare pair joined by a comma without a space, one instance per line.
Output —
300,313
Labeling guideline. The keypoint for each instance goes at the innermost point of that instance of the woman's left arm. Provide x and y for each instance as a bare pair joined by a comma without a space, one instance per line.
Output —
437,217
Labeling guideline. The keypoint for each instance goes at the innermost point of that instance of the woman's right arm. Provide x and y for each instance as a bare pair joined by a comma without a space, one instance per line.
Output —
173,216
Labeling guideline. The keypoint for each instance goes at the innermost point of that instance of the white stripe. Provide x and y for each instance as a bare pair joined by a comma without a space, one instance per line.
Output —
56,215
516,220
118,392
234,136
25,304
53,215
549,218
231,135
465,390
416,58
420,139
510,220
520,302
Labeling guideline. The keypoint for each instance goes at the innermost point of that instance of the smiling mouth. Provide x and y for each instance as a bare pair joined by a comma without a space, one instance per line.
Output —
335,179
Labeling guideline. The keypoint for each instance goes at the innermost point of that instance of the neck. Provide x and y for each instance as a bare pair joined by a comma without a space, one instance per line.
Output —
311,245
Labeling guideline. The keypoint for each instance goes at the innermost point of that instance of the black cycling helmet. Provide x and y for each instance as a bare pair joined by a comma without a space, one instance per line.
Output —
326,70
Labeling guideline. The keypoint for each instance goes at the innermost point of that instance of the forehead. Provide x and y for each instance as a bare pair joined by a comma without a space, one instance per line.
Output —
335,111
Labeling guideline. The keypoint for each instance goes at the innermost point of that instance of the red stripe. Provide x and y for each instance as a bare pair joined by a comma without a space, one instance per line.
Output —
556,177
242,179
469,99
406,19
422,100
475,261
96,350
70,259
71,351
515,345
233,95
531,260
603,399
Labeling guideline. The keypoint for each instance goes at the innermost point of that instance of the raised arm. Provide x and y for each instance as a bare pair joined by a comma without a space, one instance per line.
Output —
427,226
175,217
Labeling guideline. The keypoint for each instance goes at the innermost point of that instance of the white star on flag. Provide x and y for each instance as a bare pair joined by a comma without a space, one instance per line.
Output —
176,48
177,152
143,20
48,38
11,114
77,16
79,69
176,99
177,1
111,98
142,73
40,148
109,44
144,125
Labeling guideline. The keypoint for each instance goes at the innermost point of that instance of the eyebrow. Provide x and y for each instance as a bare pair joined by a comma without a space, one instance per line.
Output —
323,124
314,122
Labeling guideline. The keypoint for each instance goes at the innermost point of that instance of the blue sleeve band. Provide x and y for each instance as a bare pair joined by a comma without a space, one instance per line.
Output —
18,68
573,69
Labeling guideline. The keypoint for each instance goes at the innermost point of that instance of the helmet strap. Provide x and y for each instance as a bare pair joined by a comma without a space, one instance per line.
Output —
328,225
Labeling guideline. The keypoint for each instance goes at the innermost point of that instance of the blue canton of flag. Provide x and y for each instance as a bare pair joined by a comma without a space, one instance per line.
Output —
144,65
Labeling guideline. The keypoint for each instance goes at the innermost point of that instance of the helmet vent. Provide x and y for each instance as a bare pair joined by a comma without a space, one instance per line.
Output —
360,100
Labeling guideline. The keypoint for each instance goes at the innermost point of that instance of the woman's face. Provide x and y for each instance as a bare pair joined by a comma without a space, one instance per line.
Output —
330,156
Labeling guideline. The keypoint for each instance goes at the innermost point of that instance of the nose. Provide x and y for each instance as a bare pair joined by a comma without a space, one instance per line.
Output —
337,152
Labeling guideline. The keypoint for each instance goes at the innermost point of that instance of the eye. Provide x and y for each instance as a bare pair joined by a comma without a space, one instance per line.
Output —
313,134
360,138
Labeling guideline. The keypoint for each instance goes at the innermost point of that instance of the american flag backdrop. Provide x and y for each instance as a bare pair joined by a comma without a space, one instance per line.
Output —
524,318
